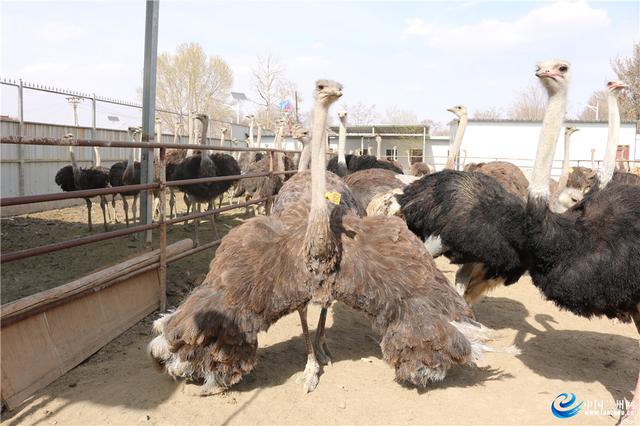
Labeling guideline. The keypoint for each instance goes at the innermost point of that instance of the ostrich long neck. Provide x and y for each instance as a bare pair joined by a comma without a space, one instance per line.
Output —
251,142
342,141
609,163
222,138
74,165
457,142
317,152
303,162
98,160
378,148
205,160
564,177
278,145
551,124
259,137
320,246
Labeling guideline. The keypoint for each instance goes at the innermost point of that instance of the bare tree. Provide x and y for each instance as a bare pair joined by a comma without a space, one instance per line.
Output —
397,115
487,114
361,114
528,105
436,128
189,81
597,101
271,87
628,70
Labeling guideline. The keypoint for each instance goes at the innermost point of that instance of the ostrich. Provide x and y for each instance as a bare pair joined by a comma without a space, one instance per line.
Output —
356,163
564,197
173,157
127,173
205,165
272,266
420,169
339,165
506,173
74,178
585,260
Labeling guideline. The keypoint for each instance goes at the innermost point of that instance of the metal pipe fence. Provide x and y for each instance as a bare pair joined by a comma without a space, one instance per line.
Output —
159,186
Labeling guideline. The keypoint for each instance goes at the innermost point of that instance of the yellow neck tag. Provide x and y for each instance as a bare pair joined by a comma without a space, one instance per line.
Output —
333,197
571,170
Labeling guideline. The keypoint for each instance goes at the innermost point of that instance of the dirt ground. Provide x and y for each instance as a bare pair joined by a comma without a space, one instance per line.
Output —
596,359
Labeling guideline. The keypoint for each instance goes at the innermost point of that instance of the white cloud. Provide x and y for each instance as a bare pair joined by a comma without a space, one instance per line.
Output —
54,32
318,45
555,21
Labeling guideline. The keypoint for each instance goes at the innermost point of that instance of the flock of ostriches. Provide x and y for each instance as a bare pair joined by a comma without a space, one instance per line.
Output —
359,232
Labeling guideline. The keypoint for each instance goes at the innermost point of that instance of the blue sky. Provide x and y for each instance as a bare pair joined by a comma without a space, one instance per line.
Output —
420,56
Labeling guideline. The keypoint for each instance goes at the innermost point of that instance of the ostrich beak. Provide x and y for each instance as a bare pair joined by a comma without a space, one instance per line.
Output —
618,85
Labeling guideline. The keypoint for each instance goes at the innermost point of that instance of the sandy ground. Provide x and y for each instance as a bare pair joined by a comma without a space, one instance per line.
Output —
597,360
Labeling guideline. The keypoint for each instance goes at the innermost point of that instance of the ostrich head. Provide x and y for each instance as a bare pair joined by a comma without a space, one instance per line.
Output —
554,75
569,130
342,115
459,110
616,86
327,92
568,198
300,133
224,130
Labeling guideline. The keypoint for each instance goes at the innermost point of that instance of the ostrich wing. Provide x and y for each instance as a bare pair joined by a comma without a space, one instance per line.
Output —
476,218
366,184
387,273
254,280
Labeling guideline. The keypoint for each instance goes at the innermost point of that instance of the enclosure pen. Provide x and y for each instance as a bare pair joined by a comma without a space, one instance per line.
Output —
75,319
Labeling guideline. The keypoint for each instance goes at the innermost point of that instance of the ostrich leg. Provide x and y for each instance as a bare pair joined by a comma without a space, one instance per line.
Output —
323,354
89,213
125,207
115,211
172,203
309,377
103,206
134,208
212,217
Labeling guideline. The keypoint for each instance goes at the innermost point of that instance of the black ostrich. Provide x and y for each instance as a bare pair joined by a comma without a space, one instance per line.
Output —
73,178
362,162
127,172
585,260
205,165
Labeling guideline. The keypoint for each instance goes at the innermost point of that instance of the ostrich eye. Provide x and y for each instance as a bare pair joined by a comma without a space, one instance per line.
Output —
563,68
610,83
321,87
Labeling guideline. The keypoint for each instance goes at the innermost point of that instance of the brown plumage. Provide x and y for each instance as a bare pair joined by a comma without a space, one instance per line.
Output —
582,178
421,169
509,175
257,277
366,184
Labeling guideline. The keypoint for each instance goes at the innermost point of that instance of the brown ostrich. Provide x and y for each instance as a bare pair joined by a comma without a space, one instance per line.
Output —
271,266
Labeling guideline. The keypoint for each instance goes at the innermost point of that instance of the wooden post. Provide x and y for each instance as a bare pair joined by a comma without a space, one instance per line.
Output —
162,270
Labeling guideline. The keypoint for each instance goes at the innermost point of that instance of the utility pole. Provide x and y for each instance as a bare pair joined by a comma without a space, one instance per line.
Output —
74,101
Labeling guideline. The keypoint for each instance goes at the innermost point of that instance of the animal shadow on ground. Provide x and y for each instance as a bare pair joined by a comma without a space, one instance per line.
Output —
349,338
569,355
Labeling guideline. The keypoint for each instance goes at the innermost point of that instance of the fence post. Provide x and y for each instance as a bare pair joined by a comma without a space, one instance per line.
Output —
162,272
21,133
269,201
424,147
149,109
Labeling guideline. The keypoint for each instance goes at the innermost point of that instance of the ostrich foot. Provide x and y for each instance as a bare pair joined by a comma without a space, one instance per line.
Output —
202,390
323,354
309,377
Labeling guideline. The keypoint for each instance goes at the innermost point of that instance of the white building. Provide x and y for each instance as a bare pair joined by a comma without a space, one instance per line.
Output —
516,142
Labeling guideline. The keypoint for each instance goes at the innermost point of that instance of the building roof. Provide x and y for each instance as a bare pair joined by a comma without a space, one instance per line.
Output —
385,130
509,120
